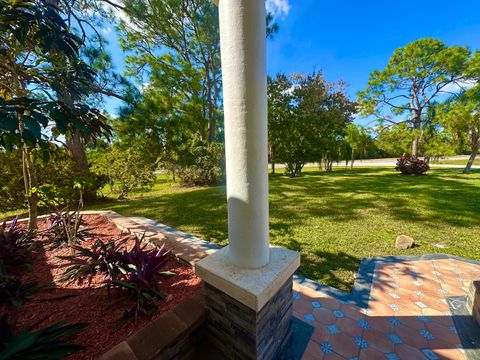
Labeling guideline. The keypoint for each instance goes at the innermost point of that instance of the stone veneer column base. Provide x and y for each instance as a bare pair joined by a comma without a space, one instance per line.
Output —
249,310
473,300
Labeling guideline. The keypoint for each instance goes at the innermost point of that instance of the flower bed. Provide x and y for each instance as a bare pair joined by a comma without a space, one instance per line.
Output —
88,301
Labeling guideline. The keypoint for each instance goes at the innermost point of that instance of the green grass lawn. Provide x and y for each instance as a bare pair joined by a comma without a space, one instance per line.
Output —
336,219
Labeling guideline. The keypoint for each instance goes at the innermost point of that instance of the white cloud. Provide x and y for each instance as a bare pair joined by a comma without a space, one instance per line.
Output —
461,85
279,8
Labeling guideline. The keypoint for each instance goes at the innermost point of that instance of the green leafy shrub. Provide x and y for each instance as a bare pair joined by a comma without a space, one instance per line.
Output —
12,189
411,165
201,163
125,170
54,168
47,344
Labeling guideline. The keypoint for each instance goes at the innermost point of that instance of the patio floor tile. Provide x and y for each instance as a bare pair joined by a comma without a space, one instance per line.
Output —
407,315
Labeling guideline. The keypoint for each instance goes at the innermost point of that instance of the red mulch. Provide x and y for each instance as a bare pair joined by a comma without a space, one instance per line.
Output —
89,302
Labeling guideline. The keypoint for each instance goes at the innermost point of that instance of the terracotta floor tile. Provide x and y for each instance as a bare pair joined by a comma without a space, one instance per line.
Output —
443,333
312,352
353,312
349,326
371,354
324,316
331,303
446,321
411,321
344,345
320,334
407,352
432,312
380,323
378,340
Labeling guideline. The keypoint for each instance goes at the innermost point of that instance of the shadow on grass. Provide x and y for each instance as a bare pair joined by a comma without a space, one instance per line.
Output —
342,195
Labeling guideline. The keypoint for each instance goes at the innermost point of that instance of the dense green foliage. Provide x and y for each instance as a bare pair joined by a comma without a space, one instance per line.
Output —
307,121
59,171
124,170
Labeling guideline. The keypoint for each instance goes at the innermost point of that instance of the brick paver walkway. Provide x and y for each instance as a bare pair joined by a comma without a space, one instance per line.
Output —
407,314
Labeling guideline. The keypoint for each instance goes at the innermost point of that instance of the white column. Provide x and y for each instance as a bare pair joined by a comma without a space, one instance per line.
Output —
243,51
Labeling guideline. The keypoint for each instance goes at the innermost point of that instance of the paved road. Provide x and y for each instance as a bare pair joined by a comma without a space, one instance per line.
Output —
391,162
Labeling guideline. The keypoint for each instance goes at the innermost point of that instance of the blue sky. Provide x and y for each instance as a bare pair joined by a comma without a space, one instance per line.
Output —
351,38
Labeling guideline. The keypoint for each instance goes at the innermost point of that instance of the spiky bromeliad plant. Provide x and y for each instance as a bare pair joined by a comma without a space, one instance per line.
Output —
101,257
411,165
141,272
48,343
16,245
136,271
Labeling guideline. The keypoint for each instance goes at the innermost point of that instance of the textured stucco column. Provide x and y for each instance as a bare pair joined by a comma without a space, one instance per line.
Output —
248,285
243,51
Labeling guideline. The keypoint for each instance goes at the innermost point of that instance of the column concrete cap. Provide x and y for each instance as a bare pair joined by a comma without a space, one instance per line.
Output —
252,287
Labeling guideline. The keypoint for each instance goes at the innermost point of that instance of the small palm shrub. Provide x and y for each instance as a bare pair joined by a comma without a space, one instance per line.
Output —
411,165
48,343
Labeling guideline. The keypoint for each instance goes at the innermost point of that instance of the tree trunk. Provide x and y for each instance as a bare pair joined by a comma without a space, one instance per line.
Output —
475,149
416,126
273,167
29,181
353,158
76,148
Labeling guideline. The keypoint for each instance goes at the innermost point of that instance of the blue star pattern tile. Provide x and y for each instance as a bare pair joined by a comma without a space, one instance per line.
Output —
309,318
338,314
394,339
364,324
392,356
424,319
316,304
394,321
326,348
427,334
360,342
333,329
296,295
430,355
